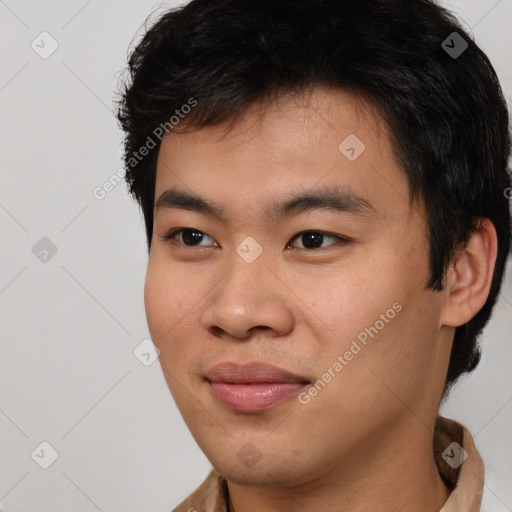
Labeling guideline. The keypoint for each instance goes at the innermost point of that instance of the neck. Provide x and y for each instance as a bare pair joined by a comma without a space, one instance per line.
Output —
398,473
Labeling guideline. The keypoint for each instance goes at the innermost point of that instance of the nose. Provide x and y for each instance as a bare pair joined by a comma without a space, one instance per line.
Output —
248,300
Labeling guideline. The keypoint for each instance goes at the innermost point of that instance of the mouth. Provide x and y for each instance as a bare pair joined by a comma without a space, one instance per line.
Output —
252,387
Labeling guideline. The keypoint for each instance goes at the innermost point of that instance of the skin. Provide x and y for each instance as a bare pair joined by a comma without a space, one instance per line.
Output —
365,440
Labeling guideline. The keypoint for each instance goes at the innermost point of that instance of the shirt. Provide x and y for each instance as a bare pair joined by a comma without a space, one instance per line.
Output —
458,462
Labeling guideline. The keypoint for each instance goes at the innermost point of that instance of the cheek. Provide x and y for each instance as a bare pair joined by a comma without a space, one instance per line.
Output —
168,295
165,304
163,312
173,297
154,303
381,318
352,296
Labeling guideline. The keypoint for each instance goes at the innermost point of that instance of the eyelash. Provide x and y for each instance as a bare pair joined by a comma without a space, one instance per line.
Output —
341,240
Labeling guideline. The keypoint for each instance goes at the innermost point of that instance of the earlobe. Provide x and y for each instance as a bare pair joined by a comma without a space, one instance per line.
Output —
470,275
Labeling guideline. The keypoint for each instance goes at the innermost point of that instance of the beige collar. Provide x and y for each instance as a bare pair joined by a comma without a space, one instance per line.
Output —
467,481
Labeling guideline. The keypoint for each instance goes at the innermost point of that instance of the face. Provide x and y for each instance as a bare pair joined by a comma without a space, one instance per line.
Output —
299,250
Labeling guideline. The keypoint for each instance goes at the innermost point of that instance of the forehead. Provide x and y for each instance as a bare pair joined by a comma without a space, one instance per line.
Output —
291,121
323,137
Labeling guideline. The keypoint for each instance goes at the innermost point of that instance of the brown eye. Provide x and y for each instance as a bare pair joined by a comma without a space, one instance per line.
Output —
189,237
311,240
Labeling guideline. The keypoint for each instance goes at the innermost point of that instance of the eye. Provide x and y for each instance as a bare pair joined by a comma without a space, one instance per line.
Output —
190,237
314,239
310,240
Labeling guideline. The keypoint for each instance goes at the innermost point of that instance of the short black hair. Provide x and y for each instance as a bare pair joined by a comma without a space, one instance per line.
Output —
436,90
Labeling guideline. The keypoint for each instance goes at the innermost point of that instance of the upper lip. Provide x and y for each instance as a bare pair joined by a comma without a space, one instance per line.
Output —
236,373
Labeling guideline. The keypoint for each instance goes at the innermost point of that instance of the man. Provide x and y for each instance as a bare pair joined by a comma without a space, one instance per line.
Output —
324,190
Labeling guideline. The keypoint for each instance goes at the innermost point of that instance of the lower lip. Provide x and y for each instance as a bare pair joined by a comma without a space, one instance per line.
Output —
253,397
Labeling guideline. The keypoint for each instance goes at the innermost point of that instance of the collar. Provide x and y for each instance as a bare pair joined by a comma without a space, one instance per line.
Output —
455,453
467,479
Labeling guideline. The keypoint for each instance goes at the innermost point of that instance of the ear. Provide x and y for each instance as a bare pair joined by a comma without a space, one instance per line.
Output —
469,276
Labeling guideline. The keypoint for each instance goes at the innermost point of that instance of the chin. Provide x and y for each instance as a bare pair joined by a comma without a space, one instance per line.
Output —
246,476
269,470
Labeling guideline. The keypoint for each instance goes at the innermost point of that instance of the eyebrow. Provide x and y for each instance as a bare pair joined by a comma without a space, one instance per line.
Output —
322,198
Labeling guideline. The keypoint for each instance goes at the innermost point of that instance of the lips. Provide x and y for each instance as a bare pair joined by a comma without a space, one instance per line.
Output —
252,387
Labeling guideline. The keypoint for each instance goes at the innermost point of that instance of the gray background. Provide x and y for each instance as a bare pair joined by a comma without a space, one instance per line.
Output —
68,375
